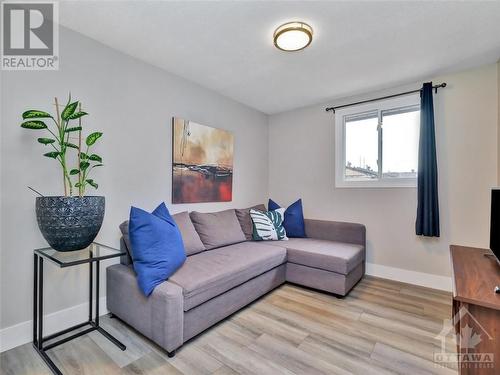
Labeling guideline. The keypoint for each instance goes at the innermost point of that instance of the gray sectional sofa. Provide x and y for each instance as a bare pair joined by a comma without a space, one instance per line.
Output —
225,270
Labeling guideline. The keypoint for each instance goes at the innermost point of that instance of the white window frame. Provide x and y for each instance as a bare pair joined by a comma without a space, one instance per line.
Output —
340,162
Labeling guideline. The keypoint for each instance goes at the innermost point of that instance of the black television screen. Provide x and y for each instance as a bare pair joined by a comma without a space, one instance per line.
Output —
495,223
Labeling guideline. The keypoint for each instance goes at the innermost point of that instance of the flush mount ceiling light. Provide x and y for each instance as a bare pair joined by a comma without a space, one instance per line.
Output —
293,36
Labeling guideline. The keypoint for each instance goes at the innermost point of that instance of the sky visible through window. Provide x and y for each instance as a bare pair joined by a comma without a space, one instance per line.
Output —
400,142
400,146
361,145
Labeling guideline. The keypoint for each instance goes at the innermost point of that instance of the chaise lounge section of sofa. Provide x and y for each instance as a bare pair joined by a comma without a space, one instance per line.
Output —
213,284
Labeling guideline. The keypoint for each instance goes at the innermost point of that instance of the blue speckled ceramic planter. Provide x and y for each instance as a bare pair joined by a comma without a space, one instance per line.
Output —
69,223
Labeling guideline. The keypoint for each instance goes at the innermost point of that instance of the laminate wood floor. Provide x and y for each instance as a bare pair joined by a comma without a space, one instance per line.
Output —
381,327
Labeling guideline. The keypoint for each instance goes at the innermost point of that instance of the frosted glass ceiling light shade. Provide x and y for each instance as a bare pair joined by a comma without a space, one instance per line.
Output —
293,36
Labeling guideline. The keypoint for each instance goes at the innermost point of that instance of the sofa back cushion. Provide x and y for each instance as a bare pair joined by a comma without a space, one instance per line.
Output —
191,239
243,215
218,229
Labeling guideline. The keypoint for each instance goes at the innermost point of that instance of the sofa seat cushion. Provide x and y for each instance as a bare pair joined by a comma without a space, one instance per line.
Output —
332,256
211,273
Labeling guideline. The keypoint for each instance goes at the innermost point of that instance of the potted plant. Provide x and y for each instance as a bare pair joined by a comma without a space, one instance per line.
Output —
69,222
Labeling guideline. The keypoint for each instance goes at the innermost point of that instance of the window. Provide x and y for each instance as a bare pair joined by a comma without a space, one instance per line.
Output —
377,143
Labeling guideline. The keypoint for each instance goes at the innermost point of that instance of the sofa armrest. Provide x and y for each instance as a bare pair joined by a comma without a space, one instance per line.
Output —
336,231
159,317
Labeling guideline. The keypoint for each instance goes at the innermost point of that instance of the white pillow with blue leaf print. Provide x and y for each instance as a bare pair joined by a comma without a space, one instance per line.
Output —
268,226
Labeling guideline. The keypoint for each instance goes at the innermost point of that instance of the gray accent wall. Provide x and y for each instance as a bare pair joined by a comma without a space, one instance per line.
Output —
302,166
133,104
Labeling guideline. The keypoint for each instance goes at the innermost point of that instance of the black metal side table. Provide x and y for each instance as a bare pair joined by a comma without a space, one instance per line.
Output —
93,254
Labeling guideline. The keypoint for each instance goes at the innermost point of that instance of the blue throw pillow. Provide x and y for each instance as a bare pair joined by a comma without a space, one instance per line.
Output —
157,247
294,218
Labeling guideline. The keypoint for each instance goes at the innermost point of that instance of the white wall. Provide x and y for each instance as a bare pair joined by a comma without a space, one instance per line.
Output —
302,165
498,153
132,103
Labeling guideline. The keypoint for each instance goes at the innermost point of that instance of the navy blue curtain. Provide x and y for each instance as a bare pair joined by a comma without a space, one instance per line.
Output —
427,223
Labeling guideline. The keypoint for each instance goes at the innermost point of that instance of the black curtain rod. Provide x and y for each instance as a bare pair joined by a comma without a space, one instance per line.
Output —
435,87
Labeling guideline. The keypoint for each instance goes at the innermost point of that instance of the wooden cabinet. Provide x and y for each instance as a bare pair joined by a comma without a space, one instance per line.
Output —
476,309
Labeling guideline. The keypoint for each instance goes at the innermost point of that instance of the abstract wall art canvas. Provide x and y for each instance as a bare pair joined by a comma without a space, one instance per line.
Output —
202,163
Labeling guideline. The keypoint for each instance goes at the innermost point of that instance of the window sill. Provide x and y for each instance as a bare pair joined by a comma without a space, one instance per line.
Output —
377,184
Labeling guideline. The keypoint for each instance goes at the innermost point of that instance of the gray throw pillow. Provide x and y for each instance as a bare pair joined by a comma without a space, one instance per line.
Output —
218,229
191,239
245,220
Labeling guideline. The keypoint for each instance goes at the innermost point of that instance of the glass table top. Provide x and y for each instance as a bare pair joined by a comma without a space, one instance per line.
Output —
95,252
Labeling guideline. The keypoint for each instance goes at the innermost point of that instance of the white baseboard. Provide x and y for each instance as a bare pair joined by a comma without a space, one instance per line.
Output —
411,277
22,333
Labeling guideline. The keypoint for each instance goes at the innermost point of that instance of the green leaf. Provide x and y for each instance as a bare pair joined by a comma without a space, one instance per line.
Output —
74,171
92,138
76,115
46,141
84,165
34,113
83,156
69,110
34,125
74,129
53,154
98,165
78,184
92,183
67,144
95,157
